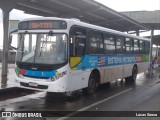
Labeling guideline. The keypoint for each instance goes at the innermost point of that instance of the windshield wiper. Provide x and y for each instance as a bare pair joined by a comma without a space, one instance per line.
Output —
22,42
45,41
43,44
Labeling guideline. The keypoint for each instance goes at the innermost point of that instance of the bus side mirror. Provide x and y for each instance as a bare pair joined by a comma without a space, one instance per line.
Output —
10,39
11,43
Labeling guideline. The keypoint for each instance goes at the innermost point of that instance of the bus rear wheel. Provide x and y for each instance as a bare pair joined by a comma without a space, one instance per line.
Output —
134,74
132,78
92,86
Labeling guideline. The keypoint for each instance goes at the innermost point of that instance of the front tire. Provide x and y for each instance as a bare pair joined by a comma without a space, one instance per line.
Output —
92,86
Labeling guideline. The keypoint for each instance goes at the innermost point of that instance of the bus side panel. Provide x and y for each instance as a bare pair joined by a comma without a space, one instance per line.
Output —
119,71
128,70
143,67
103,75
110,74
140,67
78,79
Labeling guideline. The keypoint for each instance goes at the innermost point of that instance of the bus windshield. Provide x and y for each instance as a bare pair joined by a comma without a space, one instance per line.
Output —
42,48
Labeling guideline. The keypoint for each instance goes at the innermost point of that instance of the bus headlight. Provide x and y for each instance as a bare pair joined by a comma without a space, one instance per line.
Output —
20,75
52,78
20,72
60,75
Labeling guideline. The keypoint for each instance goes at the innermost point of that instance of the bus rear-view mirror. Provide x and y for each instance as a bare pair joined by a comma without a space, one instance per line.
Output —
13,40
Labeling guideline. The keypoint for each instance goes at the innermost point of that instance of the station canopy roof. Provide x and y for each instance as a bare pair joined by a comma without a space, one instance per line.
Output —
88,11
156,40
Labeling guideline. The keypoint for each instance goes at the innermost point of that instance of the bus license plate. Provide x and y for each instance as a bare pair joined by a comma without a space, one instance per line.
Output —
33,84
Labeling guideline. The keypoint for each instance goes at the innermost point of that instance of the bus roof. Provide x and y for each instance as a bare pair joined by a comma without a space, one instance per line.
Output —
77,22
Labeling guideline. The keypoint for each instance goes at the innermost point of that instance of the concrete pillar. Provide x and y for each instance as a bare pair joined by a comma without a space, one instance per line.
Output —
5,42
157,51
6,6
137,32
152,34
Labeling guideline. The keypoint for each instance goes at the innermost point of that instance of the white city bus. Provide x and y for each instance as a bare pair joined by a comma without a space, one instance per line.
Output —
65,55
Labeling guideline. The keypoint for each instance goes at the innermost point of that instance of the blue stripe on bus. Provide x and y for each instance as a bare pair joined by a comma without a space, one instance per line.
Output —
95,61
42,74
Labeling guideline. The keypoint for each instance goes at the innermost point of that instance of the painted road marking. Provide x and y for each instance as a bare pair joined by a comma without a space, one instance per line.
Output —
25,98
93,105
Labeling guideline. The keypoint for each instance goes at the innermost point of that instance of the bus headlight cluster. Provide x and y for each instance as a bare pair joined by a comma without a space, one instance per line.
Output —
18,74
60,75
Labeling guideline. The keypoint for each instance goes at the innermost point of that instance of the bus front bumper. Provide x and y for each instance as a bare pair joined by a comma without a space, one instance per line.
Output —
42,85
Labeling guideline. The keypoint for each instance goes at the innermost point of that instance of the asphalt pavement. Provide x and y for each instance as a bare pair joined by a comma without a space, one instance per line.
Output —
144,95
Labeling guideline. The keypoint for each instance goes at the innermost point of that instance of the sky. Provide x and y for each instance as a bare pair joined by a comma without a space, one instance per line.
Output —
118,5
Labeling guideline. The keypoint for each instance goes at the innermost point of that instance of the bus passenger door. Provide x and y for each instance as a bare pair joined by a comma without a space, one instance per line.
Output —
77,52
78,72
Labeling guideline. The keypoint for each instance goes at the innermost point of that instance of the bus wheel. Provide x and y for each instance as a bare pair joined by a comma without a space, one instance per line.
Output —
134,74
92,86
132,78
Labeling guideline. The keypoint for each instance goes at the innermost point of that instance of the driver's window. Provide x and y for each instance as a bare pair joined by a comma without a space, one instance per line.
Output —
77,42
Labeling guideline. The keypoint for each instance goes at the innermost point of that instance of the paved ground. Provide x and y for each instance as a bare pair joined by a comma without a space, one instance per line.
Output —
144,95
6,82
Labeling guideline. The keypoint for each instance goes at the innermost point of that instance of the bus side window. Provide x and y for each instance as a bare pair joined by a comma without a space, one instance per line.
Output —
96,42
79,46
147,47
141,47
136,46
77,41
109,44
129,45
120,46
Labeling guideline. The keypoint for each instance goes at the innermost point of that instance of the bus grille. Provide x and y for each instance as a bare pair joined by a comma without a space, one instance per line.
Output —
38,87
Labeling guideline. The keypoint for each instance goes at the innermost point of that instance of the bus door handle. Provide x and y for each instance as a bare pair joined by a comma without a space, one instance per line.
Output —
83,68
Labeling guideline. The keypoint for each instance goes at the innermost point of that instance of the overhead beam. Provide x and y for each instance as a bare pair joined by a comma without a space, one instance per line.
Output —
37,7
117,14
97,16
105,22
113,12
65,5
82,12
30,11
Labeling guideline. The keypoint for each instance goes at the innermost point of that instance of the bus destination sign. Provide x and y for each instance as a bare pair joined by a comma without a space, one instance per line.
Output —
42,24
